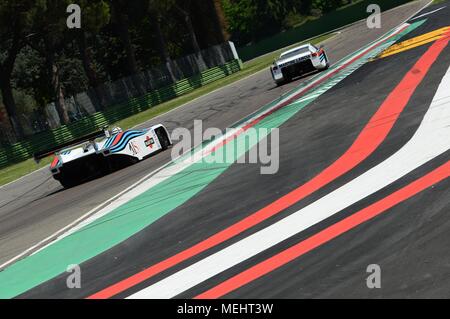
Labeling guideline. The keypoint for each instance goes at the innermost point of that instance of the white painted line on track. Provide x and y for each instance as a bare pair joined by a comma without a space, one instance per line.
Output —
54,236
431,139
428,13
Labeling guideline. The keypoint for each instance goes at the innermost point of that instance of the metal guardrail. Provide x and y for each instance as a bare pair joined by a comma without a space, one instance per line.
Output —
24,150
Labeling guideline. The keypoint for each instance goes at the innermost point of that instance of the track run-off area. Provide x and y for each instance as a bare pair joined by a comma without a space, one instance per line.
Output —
364,153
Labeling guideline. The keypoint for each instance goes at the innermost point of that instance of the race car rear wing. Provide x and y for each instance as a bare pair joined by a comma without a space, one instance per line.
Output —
51,151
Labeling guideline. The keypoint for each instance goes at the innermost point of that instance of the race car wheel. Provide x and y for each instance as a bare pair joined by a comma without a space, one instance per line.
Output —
164,142
68,183
163,139
328,62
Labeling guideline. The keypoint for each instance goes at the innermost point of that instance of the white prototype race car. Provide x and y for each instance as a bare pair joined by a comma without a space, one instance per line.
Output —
298,61
102,152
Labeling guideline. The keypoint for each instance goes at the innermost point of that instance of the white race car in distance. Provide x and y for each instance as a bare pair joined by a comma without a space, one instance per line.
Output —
102,152
298,61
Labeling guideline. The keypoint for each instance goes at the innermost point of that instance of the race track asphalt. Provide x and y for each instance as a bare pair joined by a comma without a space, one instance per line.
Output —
36,206
412,233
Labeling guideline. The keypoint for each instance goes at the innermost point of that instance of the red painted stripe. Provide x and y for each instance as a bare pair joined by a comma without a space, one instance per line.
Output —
55,161
368,140
327,234
117,139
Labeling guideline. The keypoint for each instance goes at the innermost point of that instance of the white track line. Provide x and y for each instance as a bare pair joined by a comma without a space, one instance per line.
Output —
428,13
430,140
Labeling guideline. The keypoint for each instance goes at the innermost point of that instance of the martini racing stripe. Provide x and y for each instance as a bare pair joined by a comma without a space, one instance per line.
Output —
322,55
55,162
109,142
124,139
117,138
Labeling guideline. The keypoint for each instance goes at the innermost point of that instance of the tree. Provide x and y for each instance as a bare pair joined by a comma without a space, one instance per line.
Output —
220,21
158,9
15,21
184,9
122,13
326,5
50,39
121,19
208,16
252,20
6,68
95,15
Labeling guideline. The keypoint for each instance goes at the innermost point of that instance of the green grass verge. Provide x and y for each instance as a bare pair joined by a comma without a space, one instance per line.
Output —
16,171
13,172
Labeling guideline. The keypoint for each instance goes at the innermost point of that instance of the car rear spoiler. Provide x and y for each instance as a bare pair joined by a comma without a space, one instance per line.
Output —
51,151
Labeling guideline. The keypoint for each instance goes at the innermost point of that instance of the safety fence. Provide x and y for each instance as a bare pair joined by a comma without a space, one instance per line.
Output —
322,25
21,151
102,97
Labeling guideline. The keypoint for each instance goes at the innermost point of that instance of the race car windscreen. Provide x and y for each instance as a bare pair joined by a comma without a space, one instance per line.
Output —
291,54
